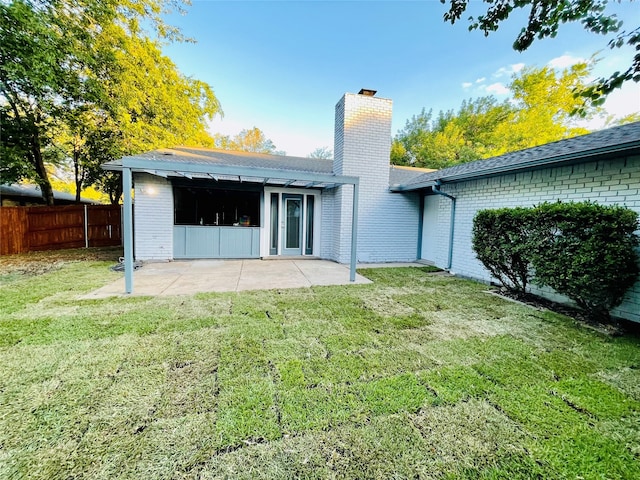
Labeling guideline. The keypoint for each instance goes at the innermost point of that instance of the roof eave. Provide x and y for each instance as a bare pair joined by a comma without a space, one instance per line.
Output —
146,164
578,157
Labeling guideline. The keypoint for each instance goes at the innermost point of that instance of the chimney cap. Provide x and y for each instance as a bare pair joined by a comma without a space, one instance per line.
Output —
367,92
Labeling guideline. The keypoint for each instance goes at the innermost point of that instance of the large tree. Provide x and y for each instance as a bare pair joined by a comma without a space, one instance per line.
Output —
539,112
544,19
81,80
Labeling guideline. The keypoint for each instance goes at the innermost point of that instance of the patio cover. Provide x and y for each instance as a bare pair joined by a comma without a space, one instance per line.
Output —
218,165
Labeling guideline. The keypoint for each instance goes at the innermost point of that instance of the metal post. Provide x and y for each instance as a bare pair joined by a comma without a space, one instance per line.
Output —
86,227
128,230
354,234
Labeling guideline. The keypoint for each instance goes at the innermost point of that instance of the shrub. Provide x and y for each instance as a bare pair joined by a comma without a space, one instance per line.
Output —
501,242
587,252
584,251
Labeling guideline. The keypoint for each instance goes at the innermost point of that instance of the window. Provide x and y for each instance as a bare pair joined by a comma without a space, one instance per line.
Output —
196,204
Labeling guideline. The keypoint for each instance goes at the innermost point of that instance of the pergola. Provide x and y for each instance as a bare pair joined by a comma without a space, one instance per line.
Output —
196,166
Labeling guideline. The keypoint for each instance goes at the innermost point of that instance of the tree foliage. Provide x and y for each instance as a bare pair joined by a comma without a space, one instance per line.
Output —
538,113
82,81
251,140
544,20
323,153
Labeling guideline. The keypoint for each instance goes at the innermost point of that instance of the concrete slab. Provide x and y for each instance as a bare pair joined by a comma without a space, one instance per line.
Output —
199,276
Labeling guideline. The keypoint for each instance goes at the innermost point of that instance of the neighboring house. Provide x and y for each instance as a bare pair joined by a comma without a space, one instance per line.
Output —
202,203
20,195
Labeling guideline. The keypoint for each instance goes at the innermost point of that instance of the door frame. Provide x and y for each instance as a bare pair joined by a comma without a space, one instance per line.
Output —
266,235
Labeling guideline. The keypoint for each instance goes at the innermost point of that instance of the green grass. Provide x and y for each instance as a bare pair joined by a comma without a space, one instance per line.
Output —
414,376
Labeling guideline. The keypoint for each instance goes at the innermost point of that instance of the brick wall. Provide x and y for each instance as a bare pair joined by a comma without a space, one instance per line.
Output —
606,182
153,217
387,226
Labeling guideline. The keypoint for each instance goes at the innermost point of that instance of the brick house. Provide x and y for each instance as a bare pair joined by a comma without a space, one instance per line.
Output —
202,203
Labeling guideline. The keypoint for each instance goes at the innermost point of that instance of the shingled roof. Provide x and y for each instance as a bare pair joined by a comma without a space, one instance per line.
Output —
208,156
601,144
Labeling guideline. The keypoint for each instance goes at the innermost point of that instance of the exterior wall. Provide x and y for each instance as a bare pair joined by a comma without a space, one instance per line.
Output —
153,217
330,220
605,182
386,222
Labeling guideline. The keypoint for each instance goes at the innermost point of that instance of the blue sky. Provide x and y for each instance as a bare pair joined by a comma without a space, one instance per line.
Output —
283,65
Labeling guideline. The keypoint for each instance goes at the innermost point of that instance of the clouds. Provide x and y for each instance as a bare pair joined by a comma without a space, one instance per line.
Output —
497,88
508,70
565,61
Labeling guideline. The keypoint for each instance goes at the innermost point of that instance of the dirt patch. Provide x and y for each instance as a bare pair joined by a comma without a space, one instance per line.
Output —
37,263
615,328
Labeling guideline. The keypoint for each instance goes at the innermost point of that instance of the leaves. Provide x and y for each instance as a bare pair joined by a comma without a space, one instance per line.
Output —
83,78
544,20
539,112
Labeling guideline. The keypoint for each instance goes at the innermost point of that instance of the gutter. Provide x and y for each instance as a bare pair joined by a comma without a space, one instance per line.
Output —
436,189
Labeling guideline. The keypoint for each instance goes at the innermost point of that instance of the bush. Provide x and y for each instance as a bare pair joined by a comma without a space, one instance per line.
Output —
584,251
500,240
587,252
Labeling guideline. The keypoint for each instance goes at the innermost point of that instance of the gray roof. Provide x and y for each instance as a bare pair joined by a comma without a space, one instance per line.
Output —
210,157
34,191
615,140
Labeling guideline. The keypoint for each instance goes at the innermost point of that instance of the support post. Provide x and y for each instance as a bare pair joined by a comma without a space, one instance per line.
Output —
128,230
86,227
354,234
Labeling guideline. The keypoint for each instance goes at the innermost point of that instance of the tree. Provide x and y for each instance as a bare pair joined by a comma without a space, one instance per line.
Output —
544,20
323,153
539,113
252,140
77,73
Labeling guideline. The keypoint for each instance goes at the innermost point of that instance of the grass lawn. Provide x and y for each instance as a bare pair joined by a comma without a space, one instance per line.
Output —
414,376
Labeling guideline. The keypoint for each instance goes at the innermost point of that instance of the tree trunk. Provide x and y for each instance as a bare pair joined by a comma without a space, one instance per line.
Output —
41,171
78,177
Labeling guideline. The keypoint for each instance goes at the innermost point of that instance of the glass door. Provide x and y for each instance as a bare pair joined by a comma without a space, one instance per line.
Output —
292,224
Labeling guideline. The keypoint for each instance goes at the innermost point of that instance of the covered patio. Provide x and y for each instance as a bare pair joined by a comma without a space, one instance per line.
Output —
248,172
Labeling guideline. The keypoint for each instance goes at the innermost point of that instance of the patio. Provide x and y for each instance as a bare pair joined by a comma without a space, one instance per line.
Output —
198,276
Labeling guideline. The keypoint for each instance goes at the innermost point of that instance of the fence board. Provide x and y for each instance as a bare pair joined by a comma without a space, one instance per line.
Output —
104,226
24,229
13,230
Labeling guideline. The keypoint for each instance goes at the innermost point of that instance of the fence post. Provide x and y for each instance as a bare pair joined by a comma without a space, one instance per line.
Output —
86,226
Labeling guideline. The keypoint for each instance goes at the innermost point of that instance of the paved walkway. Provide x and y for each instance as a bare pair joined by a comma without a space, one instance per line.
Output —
196,276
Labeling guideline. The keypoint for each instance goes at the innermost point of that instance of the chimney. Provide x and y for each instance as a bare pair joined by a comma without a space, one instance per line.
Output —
363,137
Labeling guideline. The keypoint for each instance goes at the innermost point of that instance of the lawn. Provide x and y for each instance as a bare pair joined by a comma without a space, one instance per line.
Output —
414,376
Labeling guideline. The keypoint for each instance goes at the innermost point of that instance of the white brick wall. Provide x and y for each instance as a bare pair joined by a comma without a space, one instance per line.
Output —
153,217
387,226
606,182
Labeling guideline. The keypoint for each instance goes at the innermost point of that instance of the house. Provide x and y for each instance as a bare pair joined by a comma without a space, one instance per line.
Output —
202,203
22,195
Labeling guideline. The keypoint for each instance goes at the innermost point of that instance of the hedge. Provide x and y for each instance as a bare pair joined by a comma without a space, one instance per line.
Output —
582,250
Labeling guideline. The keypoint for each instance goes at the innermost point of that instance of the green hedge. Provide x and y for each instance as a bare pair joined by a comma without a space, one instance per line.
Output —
582,250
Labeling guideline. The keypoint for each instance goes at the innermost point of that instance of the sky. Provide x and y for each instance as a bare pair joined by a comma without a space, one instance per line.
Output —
282,66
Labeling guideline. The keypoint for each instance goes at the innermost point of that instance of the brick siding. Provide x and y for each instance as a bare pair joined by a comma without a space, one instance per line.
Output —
609,182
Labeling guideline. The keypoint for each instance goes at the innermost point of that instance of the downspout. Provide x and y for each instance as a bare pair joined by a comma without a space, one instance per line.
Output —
436,189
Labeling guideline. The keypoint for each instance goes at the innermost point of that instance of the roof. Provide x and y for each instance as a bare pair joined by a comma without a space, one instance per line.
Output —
600,144
281,170
34,191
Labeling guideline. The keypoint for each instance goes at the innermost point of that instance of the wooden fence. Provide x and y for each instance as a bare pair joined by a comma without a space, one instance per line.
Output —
27,229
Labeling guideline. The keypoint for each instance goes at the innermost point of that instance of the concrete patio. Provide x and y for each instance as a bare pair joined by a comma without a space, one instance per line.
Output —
197,276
